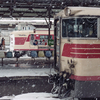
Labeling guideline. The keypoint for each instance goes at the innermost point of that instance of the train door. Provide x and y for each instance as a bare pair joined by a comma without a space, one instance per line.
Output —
57,44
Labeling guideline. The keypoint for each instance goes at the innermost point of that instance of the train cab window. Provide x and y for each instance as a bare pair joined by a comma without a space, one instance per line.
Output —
79,27
64,29
45,37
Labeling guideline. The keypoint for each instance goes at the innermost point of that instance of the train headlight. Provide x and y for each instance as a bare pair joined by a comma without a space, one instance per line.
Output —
48,54
33,54
71,12
67,11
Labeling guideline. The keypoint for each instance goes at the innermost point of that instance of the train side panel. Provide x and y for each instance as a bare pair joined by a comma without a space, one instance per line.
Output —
23,40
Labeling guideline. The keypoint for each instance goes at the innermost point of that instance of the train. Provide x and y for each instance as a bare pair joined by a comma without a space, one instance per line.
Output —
34,43
77,49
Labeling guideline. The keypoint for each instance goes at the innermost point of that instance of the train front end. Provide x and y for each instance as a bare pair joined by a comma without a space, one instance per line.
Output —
77,48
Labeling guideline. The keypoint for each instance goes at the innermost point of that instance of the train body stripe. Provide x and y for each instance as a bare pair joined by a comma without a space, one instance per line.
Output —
20,40
28,38
81,50
85,78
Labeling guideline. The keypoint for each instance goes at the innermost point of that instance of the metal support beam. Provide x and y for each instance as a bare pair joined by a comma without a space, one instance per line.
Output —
49,24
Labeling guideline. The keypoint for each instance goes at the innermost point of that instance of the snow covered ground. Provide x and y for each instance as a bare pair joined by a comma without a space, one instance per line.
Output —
25,72
31,96
28,72
34,96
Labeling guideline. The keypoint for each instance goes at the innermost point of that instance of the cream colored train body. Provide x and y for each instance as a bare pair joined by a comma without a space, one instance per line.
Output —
27,41
77,43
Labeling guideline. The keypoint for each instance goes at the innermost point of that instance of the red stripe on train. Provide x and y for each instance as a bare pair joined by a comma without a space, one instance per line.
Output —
28,39
81,50
85,78
20,40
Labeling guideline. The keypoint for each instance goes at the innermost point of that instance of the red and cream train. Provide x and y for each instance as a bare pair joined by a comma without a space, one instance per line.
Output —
77,44
35,41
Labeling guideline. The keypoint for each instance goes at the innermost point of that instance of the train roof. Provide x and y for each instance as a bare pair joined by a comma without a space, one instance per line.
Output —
32,32
21,32
79,12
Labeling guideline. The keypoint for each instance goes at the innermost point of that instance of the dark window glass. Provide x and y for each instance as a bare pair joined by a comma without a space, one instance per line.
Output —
79,27
45,37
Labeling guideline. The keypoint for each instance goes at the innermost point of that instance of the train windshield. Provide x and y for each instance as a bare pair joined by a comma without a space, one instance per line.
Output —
79,27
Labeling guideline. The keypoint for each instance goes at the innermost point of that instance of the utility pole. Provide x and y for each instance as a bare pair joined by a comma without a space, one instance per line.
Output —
49,24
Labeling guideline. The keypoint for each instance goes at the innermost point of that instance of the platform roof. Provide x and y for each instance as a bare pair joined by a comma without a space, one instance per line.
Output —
39,8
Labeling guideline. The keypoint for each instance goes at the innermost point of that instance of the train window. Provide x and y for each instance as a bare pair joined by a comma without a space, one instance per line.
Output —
45,36
41,36
64,29
79,27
